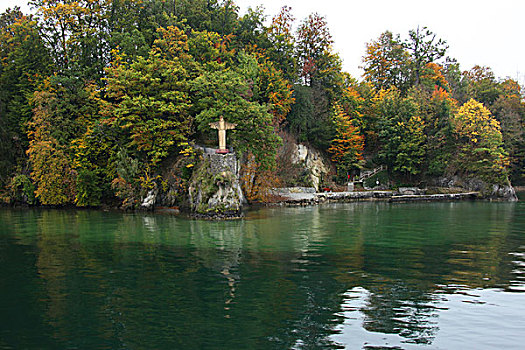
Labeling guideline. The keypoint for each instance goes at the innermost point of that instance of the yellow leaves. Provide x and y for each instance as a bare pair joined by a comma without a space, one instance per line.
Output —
475,123
383,94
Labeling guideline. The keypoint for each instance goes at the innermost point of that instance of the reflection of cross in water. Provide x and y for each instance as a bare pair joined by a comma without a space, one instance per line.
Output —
231,285
222,126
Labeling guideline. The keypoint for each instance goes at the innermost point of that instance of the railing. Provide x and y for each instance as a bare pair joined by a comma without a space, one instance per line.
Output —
369,173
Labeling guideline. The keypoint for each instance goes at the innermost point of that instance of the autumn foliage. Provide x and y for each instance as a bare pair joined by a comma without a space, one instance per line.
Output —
482,151
103,100
347,147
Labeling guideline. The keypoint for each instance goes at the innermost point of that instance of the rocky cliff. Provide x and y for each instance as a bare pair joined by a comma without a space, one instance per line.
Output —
214,189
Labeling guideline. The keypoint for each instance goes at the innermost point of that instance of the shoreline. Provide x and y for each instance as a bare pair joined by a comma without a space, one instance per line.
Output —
298,199
292,200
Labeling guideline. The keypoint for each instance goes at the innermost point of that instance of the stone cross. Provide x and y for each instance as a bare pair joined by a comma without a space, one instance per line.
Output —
222,126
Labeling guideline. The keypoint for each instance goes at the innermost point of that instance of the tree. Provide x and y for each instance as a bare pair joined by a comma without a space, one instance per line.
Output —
347,147
250,33
386,63
24,62
282,49
456,80
436,109
480,143
482,85
424,48
411,149
509,110
400,132
234,93
149,98
275,90
433,78
313,41
52,171
76,33
301,117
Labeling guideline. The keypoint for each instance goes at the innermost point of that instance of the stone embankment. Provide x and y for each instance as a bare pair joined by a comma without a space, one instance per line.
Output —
308,196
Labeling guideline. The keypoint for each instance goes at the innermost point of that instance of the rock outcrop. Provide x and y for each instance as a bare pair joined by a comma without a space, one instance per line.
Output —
313,161
503,192
215,190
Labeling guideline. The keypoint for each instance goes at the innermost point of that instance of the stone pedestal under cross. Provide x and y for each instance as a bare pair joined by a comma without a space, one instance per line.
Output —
222,126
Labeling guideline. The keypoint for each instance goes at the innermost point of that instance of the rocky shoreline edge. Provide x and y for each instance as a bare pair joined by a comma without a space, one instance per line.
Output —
292,199
308,196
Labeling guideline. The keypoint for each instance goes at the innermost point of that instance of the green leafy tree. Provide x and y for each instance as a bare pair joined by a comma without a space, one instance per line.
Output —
76,33
275,90
424,48
482,85
456,80
94,155
411,148
509,110
436,109
24,62
401,133
52,170
233,93
149,98
250,33
302,116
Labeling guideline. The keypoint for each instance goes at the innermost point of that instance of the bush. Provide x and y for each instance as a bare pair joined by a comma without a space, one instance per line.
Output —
22,190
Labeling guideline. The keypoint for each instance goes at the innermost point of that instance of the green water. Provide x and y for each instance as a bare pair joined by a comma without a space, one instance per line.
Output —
363,275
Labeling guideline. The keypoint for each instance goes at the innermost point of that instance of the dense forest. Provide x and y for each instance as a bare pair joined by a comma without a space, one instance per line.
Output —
101,100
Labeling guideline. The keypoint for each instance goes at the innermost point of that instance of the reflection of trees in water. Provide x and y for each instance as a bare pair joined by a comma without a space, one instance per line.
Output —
407,268
279,282
227,238
396,308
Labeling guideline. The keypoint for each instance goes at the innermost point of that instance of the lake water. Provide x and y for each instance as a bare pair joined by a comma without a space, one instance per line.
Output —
356,276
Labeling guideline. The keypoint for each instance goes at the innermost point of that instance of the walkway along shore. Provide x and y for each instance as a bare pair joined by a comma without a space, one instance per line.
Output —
303,198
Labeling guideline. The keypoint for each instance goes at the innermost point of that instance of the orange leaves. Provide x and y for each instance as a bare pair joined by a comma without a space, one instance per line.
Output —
282,23
173,42
348,145
433,73
256,182
441,95
277,90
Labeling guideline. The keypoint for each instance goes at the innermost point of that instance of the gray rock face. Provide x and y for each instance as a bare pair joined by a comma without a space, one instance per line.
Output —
283,191
215,190
313,161
490,191
410,191
506,192
149,201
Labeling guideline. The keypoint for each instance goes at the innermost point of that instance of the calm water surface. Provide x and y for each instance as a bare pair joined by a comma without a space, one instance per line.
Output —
354,276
